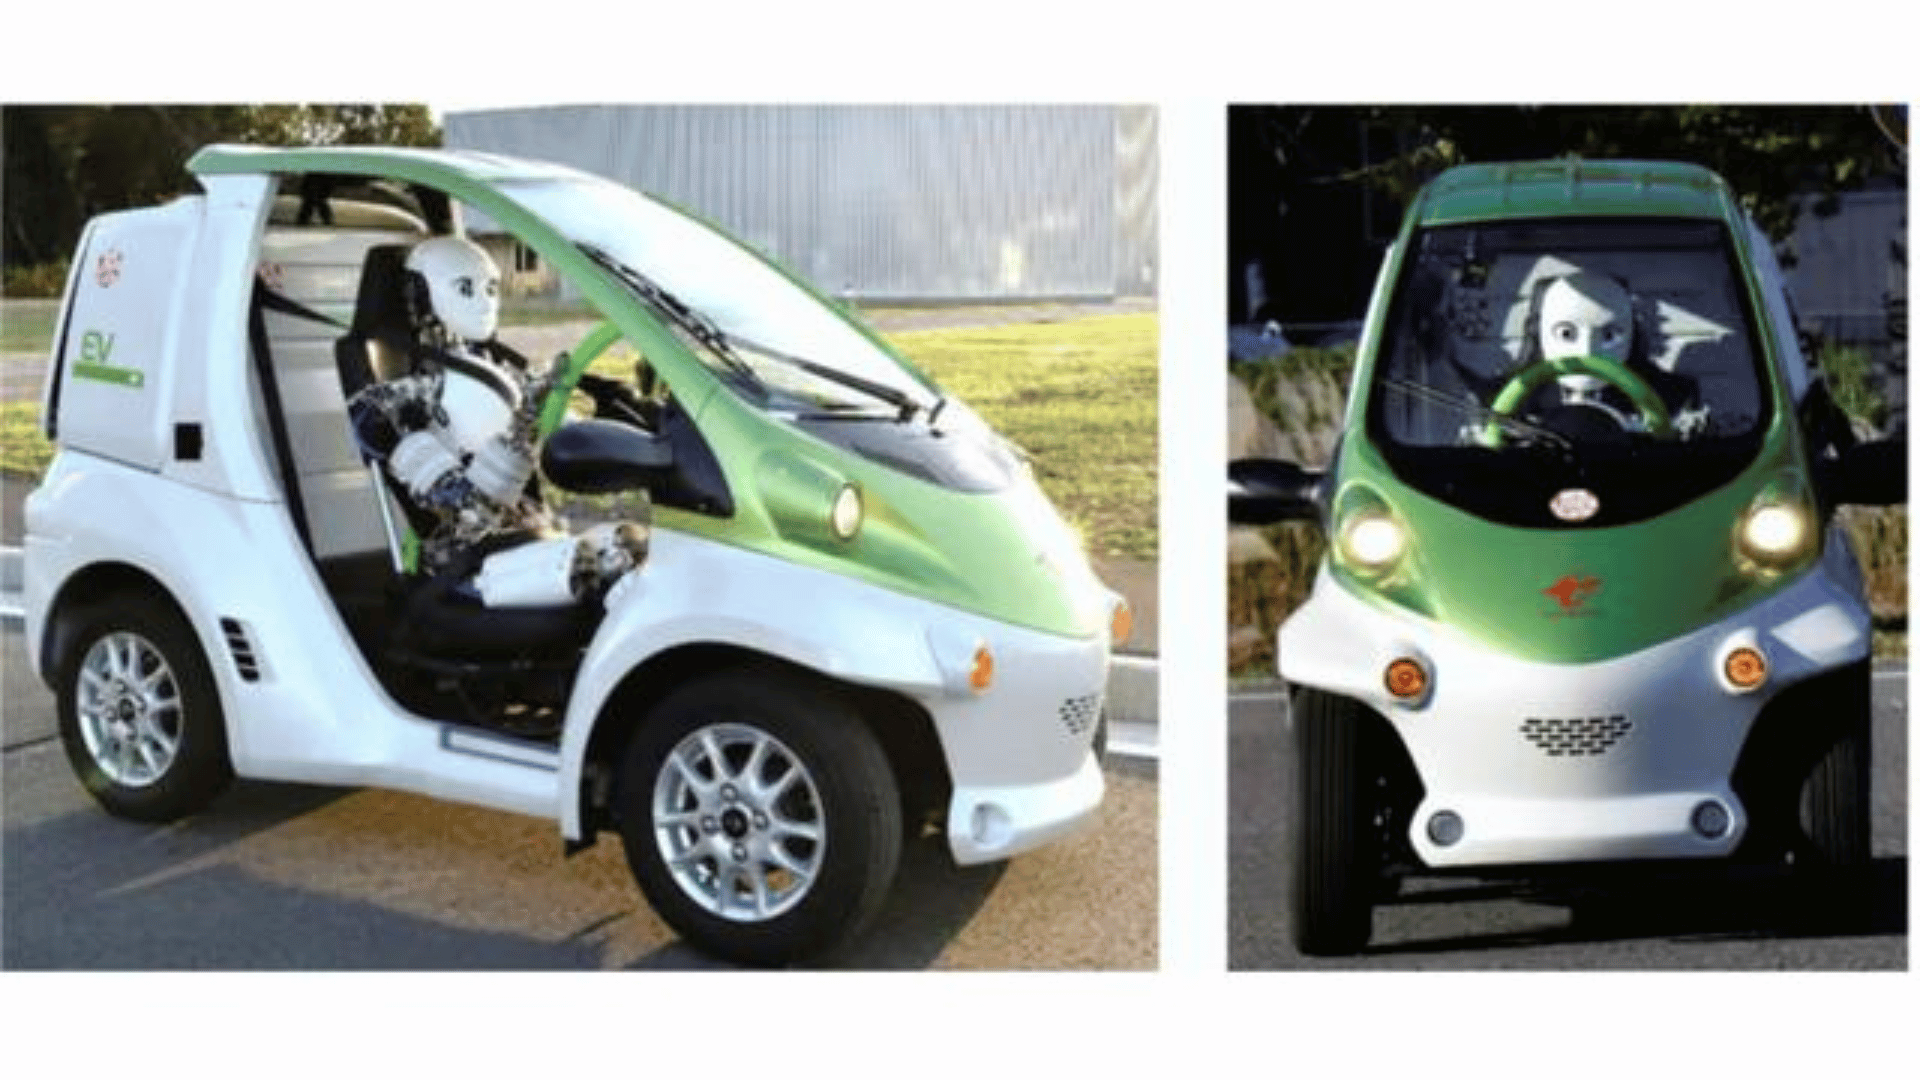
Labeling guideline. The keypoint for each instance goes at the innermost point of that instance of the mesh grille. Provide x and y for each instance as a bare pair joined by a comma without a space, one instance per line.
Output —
1580,736
1080,713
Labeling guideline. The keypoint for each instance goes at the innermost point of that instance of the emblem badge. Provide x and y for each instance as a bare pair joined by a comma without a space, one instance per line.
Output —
1573,592
1575,504
107,270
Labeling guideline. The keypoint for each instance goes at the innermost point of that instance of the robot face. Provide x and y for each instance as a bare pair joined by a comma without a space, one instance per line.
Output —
1586,315
463,285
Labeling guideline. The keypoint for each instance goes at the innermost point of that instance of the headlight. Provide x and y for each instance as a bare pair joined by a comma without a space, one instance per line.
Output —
1371,540
847,512
1776,534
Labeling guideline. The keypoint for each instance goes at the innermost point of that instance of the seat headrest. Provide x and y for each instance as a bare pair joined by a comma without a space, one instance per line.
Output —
380,310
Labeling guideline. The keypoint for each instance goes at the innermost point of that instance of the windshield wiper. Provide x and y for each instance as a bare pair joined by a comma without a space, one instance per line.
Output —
704,330
686,317
1479,412
903,404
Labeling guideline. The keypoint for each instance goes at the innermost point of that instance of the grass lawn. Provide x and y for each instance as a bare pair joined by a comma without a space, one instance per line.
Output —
22,449
1081,397
27,325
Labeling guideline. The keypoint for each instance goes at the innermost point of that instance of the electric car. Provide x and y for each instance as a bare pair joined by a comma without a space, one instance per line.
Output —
1584,600
857,616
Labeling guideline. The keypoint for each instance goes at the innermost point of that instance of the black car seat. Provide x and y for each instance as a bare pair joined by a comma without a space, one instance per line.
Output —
378,345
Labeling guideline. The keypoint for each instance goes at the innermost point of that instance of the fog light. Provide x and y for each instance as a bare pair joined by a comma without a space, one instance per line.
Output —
1711,820
1445,828
991,826
1406,679
1746,667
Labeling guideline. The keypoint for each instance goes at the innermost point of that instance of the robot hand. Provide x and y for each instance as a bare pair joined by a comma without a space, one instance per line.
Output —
615,400
500,470
607,551
428,467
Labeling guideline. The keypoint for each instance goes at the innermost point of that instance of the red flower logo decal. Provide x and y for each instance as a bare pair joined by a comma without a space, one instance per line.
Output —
107,270
1573,591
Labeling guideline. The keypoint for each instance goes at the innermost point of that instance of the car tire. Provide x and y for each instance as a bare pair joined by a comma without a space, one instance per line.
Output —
1836,813
760,817
139,713
1336,860
1833,862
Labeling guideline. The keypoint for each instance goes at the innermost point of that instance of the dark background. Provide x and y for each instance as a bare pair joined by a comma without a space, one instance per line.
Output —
1315,193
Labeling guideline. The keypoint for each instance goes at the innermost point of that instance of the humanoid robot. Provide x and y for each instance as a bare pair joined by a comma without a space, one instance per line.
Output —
456,437
1586,314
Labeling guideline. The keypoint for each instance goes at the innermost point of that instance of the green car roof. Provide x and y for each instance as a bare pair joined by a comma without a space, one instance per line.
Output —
425,165
1570,187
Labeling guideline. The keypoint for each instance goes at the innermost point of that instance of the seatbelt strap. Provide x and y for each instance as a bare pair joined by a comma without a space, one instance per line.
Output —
276,415
286,305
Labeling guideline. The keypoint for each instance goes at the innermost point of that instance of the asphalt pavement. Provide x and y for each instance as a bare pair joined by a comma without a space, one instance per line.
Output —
1678,922
290,877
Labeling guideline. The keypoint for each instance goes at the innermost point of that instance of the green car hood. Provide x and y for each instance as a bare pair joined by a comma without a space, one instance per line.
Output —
1571,595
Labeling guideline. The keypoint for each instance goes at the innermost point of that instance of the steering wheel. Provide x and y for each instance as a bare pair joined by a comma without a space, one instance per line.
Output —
597,340
1653,411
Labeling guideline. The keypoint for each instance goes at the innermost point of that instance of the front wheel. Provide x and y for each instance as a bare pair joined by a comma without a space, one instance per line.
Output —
760,817
1836,810
1336,856
140,717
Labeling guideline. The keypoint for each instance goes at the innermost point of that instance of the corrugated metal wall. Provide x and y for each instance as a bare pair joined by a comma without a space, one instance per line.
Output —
962,202
1846,267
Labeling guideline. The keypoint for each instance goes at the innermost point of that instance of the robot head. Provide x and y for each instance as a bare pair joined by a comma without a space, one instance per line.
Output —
1586,315
462,286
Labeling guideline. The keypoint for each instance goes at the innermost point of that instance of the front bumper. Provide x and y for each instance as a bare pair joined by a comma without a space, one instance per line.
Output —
1021,754
1627,758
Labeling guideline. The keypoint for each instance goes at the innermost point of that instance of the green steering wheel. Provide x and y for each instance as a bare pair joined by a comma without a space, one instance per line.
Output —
1612,372
554,408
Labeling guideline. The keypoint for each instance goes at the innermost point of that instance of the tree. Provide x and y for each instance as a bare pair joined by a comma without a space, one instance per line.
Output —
1310,184
66,163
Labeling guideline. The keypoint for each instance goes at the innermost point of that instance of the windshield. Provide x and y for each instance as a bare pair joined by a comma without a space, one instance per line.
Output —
1524,358
740,316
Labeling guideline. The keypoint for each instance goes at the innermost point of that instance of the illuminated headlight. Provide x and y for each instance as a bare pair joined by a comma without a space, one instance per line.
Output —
1775,534
847,512
1372,541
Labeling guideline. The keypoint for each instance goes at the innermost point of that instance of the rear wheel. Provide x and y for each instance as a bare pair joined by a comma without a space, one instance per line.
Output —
1336,856
140,717
760,817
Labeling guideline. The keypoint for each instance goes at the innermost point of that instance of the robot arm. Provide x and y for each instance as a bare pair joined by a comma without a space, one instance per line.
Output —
400,423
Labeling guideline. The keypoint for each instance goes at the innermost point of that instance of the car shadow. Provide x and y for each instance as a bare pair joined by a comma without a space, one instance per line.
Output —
162,900
932,900
1690,908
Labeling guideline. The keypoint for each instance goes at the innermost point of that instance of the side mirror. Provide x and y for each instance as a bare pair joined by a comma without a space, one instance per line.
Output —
1261,491
1865,474
600,457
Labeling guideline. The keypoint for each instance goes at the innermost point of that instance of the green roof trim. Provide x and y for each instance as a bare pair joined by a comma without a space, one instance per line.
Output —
1571,187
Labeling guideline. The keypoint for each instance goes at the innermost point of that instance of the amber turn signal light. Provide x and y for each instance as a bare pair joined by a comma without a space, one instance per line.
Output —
1406,678
982,675
1746,667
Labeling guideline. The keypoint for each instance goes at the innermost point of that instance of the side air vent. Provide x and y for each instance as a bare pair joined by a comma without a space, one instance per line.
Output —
240,647
1580,736
1079,714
